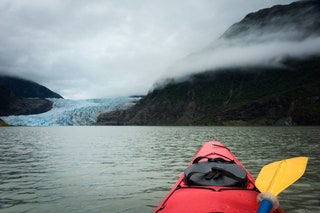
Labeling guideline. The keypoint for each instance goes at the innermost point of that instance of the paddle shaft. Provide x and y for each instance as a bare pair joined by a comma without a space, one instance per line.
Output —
267,202
265,206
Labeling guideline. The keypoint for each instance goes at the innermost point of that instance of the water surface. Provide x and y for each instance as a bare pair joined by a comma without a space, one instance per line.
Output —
130,169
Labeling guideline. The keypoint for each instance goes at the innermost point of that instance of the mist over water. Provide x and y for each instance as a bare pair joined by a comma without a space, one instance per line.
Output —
130,169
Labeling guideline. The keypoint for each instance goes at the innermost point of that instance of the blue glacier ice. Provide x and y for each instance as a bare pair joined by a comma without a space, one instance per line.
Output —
67,112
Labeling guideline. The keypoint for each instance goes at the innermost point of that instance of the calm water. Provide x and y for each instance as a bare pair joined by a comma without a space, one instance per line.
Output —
130,169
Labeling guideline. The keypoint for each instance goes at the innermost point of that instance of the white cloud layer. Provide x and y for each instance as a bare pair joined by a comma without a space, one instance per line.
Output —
97,48
266,53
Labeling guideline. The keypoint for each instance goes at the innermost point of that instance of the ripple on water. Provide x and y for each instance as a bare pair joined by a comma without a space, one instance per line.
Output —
130,169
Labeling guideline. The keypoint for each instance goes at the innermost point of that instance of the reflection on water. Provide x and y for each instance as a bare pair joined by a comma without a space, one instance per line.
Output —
130,169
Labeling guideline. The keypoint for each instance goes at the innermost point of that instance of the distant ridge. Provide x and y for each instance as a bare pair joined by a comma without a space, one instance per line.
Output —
300,20
26,88
23,97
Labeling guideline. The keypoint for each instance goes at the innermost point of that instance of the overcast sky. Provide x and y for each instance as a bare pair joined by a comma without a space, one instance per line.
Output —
102,48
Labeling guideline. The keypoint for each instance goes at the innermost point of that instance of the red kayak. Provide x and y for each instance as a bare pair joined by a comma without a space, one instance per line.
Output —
215,181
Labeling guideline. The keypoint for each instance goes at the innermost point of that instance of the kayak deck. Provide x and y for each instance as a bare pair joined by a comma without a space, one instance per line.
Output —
184,197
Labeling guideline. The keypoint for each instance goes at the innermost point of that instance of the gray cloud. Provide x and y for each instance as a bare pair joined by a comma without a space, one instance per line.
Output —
87,49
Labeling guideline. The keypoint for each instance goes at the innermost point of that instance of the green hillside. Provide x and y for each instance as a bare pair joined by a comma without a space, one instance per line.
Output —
287,95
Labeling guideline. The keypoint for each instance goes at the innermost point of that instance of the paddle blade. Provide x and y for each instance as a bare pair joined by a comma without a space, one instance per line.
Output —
277,176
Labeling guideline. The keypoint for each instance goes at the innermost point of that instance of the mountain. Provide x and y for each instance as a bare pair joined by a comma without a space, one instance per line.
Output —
261,38
26,88
278,90
296,21
270,96
10,104
23,97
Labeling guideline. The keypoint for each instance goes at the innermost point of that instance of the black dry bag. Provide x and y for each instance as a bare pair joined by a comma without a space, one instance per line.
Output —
215,172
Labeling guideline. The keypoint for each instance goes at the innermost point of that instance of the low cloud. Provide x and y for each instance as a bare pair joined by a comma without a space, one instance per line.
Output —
91,49
268,53
252,42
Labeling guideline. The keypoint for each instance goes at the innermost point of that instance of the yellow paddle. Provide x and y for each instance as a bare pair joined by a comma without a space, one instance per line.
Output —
276,177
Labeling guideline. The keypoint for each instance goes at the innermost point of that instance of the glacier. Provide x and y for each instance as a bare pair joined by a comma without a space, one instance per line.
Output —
68,112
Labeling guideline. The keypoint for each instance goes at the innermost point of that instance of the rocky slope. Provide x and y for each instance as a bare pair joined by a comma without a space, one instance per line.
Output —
22,97
285,92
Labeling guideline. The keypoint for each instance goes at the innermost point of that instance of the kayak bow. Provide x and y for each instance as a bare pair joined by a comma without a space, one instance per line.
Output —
215,181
